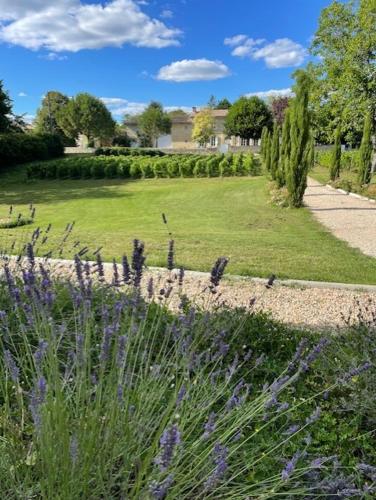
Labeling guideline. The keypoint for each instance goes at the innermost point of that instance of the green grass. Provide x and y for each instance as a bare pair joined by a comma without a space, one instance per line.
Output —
207,218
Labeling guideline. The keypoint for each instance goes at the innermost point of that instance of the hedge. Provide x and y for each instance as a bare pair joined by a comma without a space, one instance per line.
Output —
124,151
349,159
22,148
170,166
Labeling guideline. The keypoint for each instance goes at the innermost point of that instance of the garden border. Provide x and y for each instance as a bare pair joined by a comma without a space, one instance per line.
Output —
350,193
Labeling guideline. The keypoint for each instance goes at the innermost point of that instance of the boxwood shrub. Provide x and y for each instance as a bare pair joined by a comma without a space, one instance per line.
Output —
140,167
22,148
126,151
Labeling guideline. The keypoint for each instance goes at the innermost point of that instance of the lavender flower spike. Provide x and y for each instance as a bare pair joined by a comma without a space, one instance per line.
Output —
290,466
220,453
11,366
170,439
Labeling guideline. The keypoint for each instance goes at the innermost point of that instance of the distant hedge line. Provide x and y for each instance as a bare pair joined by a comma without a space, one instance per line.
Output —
23,148
98,167
122,151
349,159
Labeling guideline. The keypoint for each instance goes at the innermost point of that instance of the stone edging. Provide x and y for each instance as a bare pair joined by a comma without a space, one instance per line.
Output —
349,193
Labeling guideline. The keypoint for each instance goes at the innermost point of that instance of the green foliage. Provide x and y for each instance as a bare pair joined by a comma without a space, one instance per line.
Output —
247,117
335,163
285,151
142,166
47,118
153,122
365,152
87,115
264,139
126,151
22,148
268,152
203,126
223,104
349,159
344,77
274,154
301,142
5,110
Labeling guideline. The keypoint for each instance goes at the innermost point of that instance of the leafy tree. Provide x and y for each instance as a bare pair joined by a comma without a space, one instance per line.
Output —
278,106
285,150
203,126
264,134
365,153
121,138
223,104
46,120
176,113
335,163
344,77
274,154
300,159
87,115
153,122
5,110
247,117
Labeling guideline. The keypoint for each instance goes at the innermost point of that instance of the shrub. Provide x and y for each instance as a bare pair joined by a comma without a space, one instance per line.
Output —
125,151
200,168
22,148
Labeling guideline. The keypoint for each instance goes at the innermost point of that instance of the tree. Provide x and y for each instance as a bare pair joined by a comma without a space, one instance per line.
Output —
212,102
300,159
344,77
365,153
335,162
46,120
285,150
5,110
223,104
87,115
203,126
278,105
264,134
268,151
274,154
154,122
247,117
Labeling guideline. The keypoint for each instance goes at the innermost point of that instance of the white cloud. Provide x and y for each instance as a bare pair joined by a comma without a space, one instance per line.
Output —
235,40
120,107
167,14
71,25
281,53
28,118
264,94
52,56
22,94
189,70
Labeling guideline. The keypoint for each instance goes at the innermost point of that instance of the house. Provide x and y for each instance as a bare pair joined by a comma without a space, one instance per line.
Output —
181,133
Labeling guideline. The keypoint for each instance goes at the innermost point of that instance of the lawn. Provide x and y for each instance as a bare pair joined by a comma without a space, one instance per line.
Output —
207,218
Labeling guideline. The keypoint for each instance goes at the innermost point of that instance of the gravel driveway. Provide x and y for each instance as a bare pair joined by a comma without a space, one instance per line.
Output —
347,217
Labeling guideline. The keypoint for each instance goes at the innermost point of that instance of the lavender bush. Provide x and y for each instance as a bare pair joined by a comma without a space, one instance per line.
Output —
105,393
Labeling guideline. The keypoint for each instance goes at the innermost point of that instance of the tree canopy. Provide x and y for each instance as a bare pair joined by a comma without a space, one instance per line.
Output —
203,126
47,119
153,122
247,117
87,115
344,77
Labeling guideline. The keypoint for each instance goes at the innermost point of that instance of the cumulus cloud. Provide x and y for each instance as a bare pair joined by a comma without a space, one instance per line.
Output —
264,94
281,53
22,94
120,107
167,14
71,25
190,70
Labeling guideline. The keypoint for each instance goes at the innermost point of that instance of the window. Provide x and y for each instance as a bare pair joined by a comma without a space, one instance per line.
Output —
213,141
244,142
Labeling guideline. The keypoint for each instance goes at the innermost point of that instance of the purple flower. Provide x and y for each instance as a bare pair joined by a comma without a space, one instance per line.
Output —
314,416
126,270
115,277
100,268
150,288
220,453
290,466
121,350
235,399
292,430
181,394
313,354
181,276
120,394
209,426
368,470
12,367
40,353
159,490
217,272
357,371
170,255
37,398
106,344
138,261
170,439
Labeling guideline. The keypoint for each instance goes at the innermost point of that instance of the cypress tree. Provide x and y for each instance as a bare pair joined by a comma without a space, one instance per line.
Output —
335,163
274,154
267,152
301,142
365,152
285,150
264,133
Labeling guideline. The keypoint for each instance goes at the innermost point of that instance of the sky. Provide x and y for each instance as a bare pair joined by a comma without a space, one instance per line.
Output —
129,52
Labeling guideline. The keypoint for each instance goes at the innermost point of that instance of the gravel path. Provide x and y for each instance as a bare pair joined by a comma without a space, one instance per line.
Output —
313,306
349,218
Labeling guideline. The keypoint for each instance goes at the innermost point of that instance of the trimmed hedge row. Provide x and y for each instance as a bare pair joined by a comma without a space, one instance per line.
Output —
123,151
23,148
98,167
349,159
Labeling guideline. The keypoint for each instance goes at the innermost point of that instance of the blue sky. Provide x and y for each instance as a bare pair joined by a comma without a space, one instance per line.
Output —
131,51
